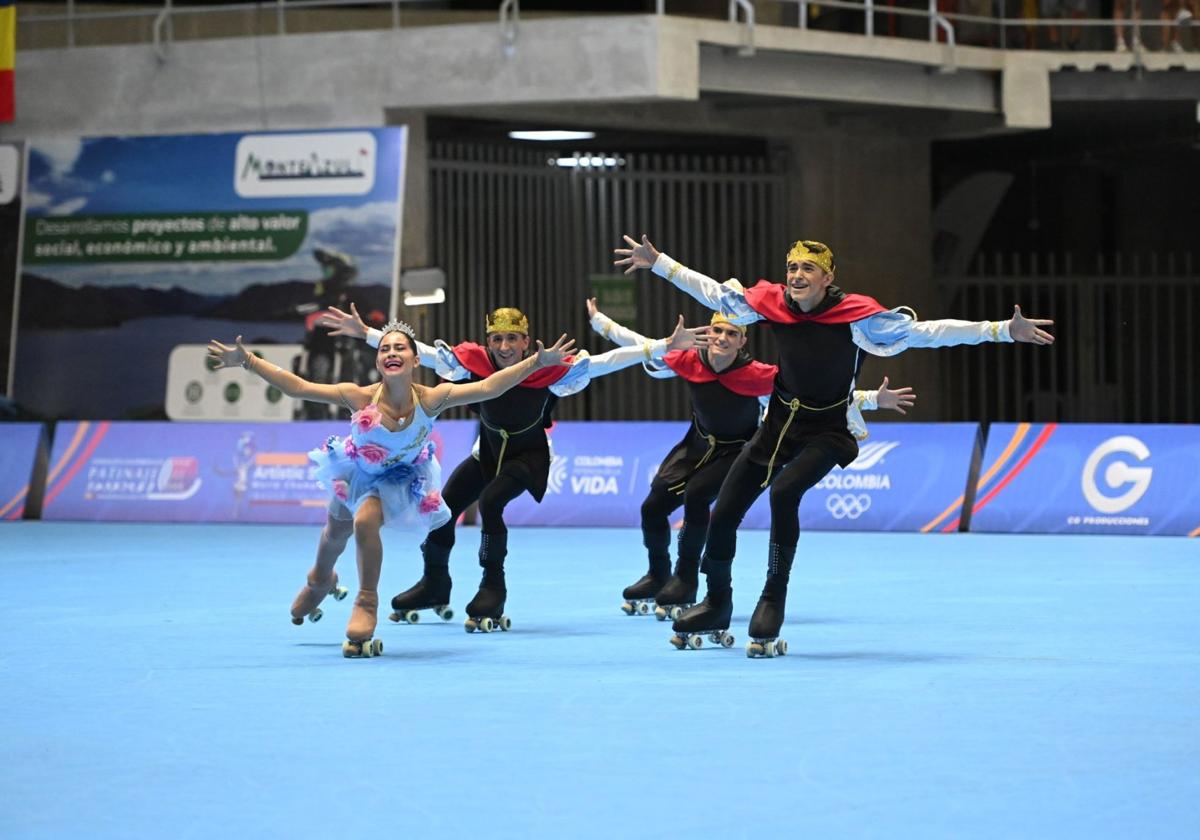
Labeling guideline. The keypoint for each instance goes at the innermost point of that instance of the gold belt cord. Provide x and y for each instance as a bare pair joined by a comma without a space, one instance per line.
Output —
504,436
795,405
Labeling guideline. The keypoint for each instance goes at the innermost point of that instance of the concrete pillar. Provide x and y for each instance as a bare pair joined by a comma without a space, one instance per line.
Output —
864,189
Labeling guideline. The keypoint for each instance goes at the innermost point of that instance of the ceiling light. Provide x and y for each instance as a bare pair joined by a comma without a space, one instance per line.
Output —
552,136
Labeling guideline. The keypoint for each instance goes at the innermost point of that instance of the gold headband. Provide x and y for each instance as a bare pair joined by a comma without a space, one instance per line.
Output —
507,319
718,318
817,253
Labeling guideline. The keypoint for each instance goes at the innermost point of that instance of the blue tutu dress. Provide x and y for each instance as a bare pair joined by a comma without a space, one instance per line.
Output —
399,468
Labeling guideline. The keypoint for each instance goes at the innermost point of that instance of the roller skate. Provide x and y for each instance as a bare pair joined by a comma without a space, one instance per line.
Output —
361,628
765,625
679,593
485,613
708,618
312,594
768,615
431,592
639,596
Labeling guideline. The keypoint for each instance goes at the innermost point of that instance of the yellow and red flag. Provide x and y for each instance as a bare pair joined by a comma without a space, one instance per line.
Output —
8,59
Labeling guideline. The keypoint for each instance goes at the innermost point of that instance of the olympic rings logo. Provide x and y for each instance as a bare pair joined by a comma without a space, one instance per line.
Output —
847,505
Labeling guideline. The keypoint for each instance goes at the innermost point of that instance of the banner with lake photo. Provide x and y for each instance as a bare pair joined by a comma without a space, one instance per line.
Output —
134,245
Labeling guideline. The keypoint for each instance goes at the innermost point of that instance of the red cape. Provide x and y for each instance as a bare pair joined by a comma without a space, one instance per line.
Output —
770,300
752,380
475,358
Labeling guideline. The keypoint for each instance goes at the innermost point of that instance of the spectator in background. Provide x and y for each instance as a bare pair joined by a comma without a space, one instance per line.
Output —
1180,11
1058,9
1120,13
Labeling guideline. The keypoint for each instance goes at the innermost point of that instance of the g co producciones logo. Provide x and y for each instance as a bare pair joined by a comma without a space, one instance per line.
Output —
847,505
1117,474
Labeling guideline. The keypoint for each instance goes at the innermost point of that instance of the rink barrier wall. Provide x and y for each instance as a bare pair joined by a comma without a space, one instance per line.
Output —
915,477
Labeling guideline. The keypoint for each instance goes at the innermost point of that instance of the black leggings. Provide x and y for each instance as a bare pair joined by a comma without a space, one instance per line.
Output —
743,486
469,484
701,488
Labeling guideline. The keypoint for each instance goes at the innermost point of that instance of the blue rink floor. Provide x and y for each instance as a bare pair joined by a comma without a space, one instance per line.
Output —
966,686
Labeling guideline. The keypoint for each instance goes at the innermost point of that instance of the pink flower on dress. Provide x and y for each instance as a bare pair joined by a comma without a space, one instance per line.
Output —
424,455
373,453
431,502
350,449
341,489
366,418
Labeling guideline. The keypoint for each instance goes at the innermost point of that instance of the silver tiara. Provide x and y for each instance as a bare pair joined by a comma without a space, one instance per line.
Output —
399,326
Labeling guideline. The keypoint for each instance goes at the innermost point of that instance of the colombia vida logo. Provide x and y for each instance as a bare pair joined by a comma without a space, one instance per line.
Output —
1116,475
328,163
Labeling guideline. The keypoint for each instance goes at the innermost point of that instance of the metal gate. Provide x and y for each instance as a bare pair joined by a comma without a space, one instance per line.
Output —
512,227
1126,347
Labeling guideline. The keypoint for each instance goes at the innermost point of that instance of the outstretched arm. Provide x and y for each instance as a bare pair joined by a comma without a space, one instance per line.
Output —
446,396
889,333
351,325
610,329
648,351
897,399
726,298
346,393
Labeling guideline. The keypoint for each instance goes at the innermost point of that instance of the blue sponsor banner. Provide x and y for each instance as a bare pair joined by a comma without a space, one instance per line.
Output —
200,472
19,444
908,477
1054,478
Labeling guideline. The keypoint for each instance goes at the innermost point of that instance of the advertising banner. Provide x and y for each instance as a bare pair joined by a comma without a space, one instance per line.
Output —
19,444
1089,479
200,472
134,245
909,477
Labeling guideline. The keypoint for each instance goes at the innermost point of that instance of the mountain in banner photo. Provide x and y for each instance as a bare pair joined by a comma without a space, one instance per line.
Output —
46,303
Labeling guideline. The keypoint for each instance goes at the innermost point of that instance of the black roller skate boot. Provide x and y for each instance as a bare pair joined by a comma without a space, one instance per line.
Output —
639,596
679,593
710,617
768,615
431,592
486,610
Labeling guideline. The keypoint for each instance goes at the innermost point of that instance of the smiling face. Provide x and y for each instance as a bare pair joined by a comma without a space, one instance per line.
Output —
725,341
396,355
806,283
507,348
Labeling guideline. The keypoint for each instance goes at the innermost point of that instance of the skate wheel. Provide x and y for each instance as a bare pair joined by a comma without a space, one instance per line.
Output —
678,641
377,647
349,649
675,612
695,642
781,647
444,613
754,649
412,617
643,608
339,593
726,640
315,615
469,625
394,617
297,621
505,623
660,613
769,649
627,608
486,625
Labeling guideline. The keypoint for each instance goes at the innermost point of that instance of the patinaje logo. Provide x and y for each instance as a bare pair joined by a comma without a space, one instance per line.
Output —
336,163
1117,474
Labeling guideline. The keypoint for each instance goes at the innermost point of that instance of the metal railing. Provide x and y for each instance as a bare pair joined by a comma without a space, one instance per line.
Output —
942,25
